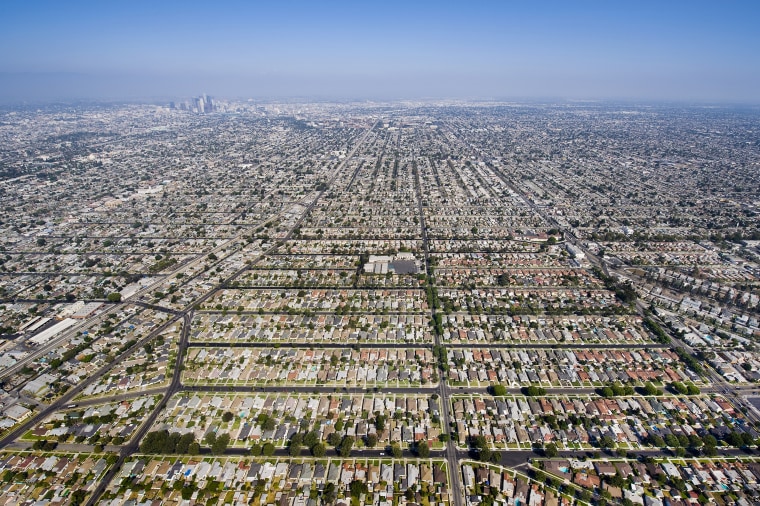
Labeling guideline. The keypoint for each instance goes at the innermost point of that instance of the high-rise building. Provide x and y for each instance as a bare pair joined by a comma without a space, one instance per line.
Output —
201,104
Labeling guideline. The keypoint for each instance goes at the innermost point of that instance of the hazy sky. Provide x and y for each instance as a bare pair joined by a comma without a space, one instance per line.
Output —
682,50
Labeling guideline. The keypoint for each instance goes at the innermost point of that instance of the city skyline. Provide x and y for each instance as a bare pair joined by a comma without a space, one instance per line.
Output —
590,50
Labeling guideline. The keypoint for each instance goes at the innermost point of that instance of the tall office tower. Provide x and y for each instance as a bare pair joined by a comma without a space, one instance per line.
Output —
208,104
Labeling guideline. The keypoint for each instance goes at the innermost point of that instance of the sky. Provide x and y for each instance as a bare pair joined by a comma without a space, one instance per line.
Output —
703,51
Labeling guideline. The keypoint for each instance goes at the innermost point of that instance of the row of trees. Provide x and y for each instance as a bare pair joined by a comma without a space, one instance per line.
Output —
655,328
310,440
163,442
217,442
482,449
343,445
684,389
612,390
616,390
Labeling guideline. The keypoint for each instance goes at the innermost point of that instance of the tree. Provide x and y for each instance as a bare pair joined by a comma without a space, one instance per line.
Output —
268,423
183,445
311,438
259,488
423,450
78,497
710,451
371,440
498,390
345,446
695,441
294,449
551,450
334,439
187,490
650,389
329,494
357,488
671,440
606,442
114,297
297,439
220,445
396,451
479,442
227,417
734,439
267,450
318,450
